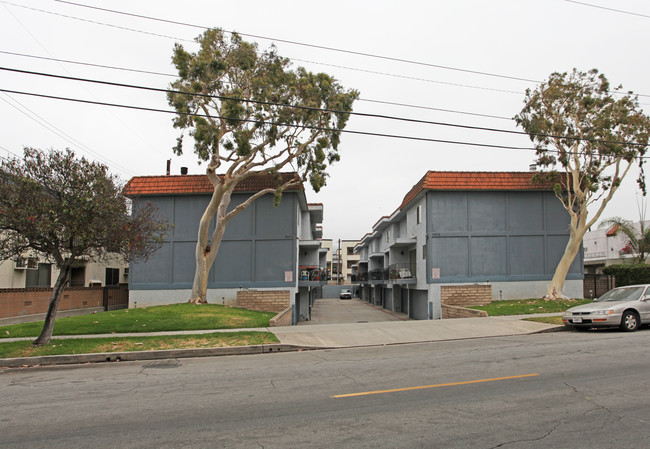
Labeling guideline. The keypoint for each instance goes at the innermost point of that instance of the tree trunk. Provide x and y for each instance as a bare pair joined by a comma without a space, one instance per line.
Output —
48,326
200,285
207,248
556,286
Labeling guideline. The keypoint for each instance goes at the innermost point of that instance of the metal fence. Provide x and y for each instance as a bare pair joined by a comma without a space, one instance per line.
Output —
594,285
116,297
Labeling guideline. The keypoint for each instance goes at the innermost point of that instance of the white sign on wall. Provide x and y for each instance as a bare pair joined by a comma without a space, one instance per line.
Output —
435,273
288,276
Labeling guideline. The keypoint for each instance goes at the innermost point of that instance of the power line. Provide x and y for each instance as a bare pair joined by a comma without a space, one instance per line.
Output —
316,128
390,103
303,44
125,125
309,108
267,103
88,64
292,43
293,59
608,9
62,134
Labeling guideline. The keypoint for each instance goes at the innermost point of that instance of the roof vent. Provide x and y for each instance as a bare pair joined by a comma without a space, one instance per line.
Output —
183,170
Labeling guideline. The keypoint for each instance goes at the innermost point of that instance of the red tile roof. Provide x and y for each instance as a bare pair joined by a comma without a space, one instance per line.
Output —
612,231
475,181
193,184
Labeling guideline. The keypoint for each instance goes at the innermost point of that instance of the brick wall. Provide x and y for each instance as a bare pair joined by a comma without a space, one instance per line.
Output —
281,319
466,295
28,301
461,312
265,301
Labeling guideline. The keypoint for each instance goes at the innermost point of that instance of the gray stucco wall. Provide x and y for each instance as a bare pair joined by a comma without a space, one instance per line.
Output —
258,248
496,236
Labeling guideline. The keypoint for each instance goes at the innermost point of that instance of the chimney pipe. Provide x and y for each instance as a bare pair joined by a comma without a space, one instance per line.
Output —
183,170
169,166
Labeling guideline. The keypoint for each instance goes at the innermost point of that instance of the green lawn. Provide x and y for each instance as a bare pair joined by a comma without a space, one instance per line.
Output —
528,306
547,319
174,317
95,345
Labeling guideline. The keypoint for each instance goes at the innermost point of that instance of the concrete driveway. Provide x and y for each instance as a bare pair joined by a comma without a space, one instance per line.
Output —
337,311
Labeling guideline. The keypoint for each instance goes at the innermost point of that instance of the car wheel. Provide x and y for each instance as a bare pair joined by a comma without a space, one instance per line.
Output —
630,321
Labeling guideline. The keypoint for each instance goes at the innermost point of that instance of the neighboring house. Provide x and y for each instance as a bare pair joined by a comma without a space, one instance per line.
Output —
602,247
265,248
465,228
341,260
30,272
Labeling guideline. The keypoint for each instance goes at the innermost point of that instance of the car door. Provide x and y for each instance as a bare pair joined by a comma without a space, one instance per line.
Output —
644,306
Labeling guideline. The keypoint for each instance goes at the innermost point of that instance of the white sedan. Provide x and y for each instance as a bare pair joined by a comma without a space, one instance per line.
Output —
625,307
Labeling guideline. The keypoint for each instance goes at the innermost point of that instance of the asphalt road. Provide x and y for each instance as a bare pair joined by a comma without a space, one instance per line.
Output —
557,390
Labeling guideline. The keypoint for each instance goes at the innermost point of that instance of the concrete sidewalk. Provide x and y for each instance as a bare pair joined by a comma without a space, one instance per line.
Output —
335,324
396,332
319,336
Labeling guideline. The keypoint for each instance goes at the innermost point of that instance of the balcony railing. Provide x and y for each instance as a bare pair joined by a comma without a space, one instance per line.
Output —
313,275
360,277
378,275
402,272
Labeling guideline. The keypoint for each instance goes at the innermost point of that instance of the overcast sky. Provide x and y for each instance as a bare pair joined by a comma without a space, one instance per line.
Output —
447,42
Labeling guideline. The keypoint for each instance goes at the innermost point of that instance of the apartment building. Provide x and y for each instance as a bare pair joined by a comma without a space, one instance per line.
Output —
266,248
497,229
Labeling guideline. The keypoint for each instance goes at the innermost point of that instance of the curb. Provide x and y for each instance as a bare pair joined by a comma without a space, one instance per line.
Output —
70,359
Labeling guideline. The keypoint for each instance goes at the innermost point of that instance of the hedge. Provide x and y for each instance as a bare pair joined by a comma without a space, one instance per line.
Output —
629,274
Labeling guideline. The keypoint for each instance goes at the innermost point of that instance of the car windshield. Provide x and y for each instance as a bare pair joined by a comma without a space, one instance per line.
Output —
622,294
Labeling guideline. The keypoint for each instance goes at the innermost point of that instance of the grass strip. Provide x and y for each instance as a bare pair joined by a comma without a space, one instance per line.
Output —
175,317
132,344
529,306
546,319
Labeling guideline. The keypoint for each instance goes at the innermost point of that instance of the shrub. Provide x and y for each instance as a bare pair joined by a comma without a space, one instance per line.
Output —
629,274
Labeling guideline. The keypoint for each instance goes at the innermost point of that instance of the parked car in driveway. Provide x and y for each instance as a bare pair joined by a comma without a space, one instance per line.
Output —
625,307
346,294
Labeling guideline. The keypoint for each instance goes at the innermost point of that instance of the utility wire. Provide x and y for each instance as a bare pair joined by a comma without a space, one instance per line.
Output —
370,55
293,59
316,128
88,64
62,134
303,44
124,124
171,75
309,108
266,103
608,9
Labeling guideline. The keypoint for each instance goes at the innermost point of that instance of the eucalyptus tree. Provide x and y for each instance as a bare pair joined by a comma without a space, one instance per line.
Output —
250,113
65,209
588,136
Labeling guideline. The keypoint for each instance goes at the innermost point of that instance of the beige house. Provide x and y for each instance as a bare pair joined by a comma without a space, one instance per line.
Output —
30,271
341,260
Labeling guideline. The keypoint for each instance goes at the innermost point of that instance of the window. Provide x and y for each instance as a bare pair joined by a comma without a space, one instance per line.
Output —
388,236
418,212
350,250
112,276
40,277
424,251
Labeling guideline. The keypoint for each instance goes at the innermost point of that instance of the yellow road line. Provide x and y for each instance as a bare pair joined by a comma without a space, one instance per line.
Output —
422,387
